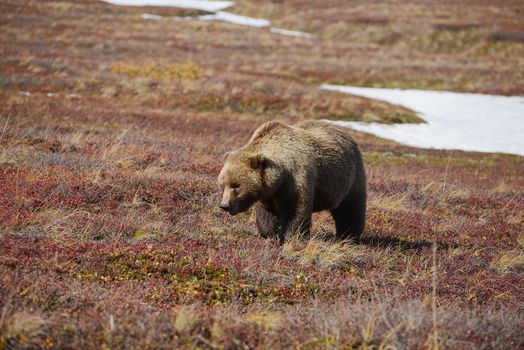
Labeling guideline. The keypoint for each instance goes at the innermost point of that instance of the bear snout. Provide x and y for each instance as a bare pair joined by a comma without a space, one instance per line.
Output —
232,209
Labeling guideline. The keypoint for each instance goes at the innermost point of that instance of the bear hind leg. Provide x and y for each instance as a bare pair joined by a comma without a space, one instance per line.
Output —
350,219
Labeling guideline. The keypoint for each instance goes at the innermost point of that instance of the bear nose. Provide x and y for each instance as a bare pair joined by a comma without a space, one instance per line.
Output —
224,206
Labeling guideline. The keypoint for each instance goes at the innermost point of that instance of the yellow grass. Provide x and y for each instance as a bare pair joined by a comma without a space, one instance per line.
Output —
155,71
322,253
513,259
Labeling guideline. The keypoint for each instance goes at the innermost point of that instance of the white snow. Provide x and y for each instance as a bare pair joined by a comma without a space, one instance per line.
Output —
210,6
235,19
464,121
151,16
292,33
204,5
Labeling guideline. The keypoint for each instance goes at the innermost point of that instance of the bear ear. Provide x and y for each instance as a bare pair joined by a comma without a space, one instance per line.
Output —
258,161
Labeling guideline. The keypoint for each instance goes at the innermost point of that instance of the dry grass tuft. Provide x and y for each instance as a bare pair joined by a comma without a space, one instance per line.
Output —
326,254
268,320
185,319
393,203
511,260
110,233
21,329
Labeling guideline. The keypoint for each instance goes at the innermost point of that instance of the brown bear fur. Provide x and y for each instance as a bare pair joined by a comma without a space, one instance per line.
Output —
289,172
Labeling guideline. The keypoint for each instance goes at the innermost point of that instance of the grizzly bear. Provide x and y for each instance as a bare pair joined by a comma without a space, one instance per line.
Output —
290,171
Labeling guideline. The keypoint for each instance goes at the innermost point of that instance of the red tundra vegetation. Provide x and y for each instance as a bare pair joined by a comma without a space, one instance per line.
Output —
112,130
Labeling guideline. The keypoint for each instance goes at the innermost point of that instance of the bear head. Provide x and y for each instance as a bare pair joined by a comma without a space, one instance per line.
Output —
246,178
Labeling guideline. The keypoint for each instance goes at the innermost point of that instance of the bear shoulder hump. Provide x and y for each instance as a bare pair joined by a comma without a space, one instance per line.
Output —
267,129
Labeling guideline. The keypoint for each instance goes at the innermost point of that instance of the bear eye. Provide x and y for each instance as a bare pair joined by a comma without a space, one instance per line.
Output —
235,185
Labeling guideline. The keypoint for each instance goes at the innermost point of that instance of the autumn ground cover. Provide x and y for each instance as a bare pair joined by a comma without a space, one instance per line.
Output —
112,132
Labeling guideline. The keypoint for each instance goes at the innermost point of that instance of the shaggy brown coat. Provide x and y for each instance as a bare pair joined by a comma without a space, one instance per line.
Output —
289,172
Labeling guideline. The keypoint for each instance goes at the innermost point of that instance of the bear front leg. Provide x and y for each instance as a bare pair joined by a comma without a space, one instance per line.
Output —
299,224
297,212
268,223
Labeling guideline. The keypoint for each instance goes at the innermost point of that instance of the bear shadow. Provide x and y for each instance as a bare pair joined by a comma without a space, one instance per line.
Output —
388,241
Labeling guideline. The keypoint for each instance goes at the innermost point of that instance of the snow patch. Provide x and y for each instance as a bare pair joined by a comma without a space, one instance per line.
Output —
204,5
292,33
151,16
211,6
464,121
236,19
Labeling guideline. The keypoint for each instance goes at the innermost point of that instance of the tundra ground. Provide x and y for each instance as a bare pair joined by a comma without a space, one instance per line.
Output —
112,130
